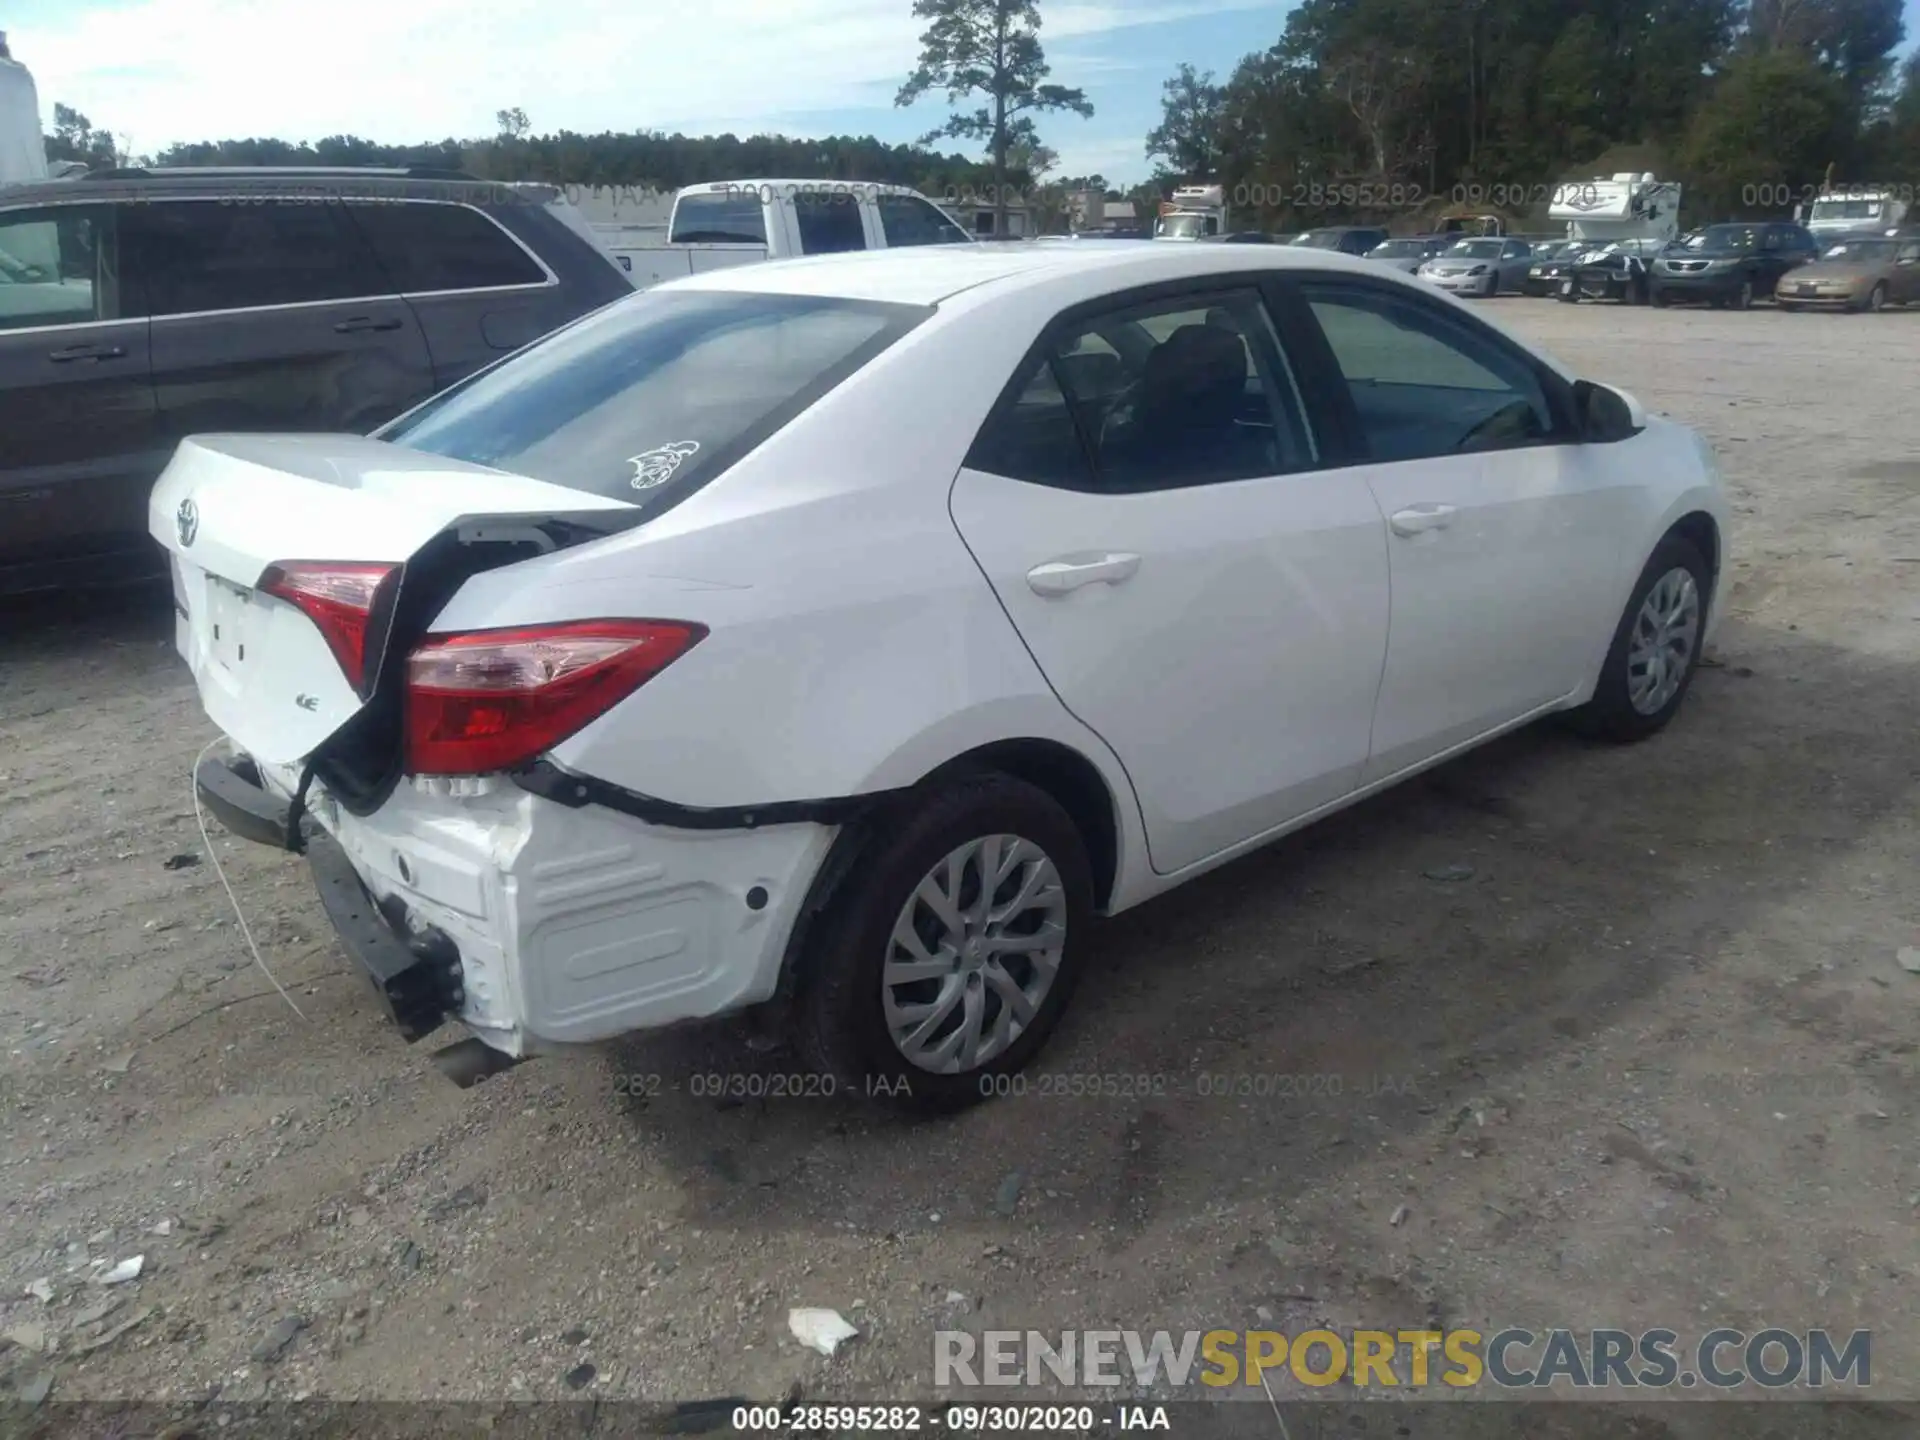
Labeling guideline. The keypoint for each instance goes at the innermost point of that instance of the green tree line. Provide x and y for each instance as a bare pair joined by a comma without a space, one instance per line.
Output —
1362,109
1745,103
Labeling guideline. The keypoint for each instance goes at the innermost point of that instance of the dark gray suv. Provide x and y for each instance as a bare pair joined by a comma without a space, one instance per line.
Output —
137,307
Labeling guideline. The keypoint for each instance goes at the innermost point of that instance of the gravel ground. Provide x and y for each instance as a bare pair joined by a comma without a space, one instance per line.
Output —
1646,1058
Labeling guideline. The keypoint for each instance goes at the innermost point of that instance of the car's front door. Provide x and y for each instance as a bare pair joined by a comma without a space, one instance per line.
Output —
1504,534
1154,513
80,440
271,314
1906,272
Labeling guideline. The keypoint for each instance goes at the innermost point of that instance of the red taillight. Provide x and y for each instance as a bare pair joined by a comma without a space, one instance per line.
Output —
339,597
494,699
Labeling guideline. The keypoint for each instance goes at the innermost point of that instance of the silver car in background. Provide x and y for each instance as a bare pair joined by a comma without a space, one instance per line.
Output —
1410,252
1480,265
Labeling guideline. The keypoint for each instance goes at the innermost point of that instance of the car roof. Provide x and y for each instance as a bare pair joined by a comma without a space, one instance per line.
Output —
928,274
797,186
420,182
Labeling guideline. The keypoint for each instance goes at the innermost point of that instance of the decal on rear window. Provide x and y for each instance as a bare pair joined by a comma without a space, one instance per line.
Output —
656,467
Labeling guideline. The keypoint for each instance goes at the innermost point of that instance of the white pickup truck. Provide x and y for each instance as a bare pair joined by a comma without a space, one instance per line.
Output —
739,222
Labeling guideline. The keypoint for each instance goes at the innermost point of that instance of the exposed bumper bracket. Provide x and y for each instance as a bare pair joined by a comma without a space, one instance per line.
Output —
418,980
231,791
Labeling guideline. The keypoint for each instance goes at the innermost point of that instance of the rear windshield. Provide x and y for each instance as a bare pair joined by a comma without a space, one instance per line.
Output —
732,217
649,398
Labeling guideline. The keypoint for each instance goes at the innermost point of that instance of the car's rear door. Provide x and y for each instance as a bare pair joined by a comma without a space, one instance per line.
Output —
476,290
269,313
1150,506
80,440
1505,536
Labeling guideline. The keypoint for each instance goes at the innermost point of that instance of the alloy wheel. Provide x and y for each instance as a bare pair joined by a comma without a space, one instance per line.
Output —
973,954
1666,635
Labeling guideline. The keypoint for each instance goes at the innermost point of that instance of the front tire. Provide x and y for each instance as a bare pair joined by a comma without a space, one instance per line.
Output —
1656,648
1743,297
954,947
1877,297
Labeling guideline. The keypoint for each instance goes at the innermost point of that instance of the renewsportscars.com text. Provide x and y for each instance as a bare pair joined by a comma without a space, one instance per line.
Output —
1514,1358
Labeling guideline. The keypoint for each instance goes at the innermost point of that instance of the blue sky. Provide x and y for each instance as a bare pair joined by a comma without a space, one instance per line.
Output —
158,71
400,70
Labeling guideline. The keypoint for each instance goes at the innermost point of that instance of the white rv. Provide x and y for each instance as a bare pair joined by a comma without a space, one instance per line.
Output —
1625,207
1196,212
23,149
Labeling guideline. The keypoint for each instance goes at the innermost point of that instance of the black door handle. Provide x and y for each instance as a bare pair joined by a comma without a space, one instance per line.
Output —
361,323
88,352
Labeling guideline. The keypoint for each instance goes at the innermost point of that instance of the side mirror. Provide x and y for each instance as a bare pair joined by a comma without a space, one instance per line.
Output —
1607,414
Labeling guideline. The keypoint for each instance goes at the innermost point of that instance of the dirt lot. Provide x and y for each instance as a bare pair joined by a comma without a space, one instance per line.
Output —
1651,1063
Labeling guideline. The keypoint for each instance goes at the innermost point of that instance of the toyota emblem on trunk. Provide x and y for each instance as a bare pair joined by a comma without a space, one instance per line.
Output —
187,517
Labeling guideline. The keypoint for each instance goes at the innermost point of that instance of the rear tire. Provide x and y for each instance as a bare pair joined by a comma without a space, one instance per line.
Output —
861,985
1648,669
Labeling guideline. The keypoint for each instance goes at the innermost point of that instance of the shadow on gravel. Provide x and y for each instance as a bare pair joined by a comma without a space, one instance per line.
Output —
1248,1032
46,624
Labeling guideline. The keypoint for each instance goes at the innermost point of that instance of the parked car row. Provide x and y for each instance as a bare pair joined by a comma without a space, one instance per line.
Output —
1727,265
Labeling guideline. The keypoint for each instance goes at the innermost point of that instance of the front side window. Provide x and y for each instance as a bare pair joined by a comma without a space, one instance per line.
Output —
1423,383
1191,391
58,266
657,394
191,256
909,220
829,222
425,246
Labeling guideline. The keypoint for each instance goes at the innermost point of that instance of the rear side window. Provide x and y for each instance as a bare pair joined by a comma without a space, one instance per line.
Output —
655,396
730,218
829,222
1189,391
58,267
190,256
909,220
425,246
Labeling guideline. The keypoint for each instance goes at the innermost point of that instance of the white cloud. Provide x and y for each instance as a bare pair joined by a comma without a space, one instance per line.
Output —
161,71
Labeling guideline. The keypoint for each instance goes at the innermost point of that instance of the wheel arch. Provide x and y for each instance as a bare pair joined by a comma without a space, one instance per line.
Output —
1702,531
1067,775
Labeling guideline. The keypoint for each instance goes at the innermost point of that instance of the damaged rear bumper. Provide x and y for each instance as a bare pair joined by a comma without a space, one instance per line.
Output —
414,969
544,923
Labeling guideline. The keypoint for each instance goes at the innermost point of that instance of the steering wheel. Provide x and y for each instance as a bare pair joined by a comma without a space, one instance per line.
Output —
1512,421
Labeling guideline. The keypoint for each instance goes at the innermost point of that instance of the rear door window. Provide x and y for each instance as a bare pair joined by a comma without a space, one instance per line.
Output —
829,222
733,217
426,246
192,256
658,394
909,220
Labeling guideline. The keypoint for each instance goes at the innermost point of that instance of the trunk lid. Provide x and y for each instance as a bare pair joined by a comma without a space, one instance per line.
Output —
230,508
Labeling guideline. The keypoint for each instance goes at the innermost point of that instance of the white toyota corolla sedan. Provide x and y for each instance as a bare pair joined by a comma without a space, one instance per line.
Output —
839,635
